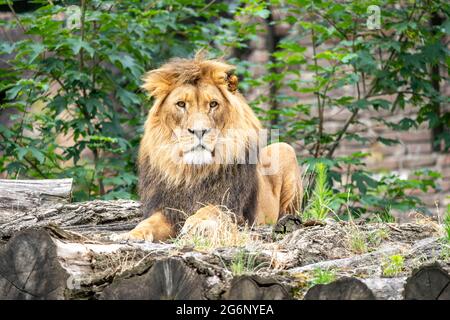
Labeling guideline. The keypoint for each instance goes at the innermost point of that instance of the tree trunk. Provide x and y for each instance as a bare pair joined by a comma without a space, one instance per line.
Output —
99,218
429,282
257,288
25,195
347,288
50,263
52,249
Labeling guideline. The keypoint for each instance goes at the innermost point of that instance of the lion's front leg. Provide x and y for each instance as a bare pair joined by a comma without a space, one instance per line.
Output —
154,228
205,222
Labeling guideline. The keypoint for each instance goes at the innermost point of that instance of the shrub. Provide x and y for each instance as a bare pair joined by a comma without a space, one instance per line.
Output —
322,276
446,224
393,266
72,84
322,198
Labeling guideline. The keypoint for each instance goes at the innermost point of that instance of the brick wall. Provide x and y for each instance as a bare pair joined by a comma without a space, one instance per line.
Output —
415,148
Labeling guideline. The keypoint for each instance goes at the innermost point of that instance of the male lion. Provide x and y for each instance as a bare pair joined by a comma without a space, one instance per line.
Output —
196,153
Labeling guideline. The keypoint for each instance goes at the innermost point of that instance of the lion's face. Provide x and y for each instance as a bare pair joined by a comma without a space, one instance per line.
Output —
198,121
197,116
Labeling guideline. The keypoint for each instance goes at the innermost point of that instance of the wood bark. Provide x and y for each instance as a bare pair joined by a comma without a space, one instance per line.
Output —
53,249
429,282
50,263
257,288
23,195
29,269
92,217
18,197
168,279
349,288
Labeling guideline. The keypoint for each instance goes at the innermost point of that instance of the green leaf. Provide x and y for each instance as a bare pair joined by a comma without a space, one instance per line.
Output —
21,152
36,49
363,180
38,155
12,93
127,98
380,103
76,44
388,142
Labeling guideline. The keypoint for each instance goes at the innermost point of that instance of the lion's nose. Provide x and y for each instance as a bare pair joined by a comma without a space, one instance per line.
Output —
199,132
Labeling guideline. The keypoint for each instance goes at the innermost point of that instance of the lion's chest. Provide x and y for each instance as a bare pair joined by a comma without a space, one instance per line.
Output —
235,188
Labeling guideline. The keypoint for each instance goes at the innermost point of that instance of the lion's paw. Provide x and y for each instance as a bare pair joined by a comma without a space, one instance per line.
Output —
132,236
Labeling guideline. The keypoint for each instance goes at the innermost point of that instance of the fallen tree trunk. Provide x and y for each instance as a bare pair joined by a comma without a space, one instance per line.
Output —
347,288
50,263
25,195
62,250
429,282
257,288
93,217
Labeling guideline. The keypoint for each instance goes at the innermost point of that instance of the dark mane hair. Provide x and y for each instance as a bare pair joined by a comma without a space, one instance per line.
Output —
234,186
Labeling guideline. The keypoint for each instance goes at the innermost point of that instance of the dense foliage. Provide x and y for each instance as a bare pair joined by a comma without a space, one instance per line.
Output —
76,75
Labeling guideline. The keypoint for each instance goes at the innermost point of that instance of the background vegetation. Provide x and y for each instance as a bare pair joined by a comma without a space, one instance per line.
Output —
77,71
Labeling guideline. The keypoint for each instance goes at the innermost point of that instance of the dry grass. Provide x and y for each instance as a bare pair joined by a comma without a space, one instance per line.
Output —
356,239
221,231
119,262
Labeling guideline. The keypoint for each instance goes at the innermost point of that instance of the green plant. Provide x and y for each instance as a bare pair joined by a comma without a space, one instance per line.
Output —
72,90
72,85
322,276
446,225
197,241
244,263
389,69
322,198
384,215
393,266
445,252
375,237
357,240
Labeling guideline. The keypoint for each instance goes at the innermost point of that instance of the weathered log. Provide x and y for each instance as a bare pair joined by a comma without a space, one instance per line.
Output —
366,260
429,282
168,279
25,195
29,269
345,288
93,217
349,288
50,263
386,288
80,262
370,263
256,288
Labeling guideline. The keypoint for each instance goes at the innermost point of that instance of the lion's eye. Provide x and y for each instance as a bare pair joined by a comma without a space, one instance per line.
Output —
181,104
213,104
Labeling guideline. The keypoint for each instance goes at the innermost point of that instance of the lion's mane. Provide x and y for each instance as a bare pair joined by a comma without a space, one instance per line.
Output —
181,189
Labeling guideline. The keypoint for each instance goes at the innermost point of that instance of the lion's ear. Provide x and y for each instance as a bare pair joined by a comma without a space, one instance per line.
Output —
157,83
232,82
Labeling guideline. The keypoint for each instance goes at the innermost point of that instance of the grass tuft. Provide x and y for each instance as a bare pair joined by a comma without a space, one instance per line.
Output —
393,266
357,239
319,207
322,276
446,225
244,263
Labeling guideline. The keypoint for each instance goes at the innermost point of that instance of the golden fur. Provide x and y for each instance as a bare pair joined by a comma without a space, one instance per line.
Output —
197,101
159,140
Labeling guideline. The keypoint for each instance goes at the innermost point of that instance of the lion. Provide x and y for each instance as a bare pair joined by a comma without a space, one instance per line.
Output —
200,149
